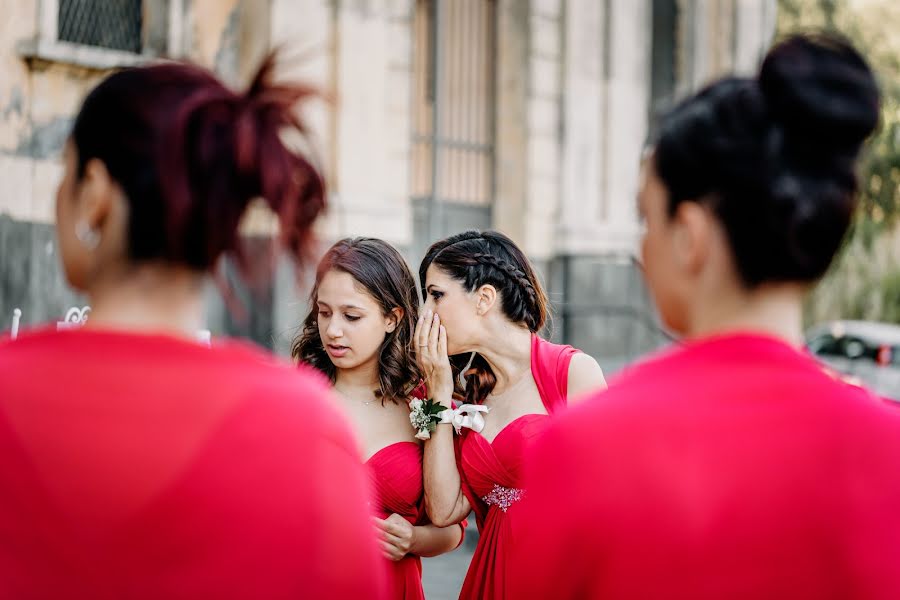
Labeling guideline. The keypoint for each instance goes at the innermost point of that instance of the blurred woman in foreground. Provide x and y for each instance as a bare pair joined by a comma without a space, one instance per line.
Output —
733,466
134,461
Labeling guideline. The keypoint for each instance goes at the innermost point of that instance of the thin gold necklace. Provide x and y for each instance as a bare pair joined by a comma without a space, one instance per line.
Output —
363,402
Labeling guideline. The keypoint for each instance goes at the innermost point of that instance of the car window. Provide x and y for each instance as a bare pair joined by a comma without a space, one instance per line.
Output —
825,345
850,347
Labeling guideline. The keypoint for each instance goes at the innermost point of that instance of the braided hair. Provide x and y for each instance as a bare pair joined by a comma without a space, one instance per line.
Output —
476,258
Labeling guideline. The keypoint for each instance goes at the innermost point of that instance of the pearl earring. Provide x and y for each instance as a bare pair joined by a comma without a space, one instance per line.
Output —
87,235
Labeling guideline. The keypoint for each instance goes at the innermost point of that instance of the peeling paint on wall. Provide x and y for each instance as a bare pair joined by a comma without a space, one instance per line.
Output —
39,99
15,106
46,139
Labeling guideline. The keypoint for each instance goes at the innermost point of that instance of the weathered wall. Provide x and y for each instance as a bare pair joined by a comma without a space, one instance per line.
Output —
573,86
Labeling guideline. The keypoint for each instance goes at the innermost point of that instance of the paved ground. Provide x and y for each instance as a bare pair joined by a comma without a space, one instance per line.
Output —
442,576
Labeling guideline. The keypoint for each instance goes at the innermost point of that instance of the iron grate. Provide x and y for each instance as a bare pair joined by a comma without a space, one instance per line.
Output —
113,24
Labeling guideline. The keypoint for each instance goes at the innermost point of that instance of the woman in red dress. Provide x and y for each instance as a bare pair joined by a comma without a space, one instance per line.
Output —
358,333
733,466
485,307
134,461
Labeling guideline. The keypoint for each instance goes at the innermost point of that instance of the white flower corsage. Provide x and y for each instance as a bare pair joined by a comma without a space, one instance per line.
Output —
428,414
424,416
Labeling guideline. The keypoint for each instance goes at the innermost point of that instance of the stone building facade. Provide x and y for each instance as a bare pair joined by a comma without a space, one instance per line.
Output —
524,115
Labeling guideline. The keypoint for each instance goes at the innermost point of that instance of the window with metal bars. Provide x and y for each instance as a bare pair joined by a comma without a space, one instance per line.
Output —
453,111
112,24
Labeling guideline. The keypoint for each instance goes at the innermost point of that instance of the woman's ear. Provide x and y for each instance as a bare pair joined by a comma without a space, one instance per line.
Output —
97,190
393,319
694,222
485,298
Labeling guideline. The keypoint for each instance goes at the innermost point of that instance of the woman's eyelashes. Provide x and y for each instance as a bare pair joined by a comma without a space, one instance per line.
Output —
327,315
436,295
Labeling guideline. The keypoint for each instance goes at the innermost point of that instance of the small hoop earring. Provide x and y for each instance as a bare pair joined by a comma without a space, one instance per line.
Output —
87,235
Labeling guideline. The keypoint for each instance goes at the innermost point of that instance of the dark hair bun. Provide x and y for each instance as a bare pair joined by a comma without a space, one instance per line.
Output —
819,89
776,156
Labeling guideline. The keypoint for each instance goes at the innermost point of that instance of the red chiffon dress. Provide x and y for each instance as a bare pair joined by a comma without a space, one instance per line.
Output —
491,475
396,475
730,467
147,467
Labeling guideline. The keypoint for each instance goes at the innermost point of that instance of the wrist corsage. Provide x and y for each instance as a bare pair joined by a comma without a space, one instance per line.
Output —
424,416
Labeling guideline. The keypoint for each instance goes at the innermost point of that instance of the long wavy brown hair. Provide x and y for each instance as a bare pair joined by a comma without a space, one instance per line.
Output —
475,258
381,270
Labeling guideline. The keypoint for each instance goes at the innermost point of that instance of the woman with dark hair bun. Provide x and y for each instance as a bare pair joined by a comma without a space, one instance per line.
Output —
358,333
478,341
733,465
137,462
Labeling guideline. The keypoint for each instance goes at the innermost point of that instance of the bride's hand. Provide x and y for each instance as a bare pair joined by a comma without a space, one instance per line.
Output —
431,354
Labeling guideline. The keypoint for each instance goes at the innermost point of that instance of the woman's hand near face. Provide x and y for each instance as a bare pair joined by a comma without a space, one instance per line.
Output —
444,500
431,354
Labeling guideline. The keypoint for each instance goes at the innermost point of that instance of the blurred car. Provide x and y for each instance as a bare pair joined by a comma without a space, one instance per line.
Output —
865,351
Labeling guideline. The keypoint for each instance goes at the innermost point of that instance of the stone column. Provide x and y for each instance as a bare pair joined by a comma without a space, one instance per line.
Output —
545,105
529,104
719,37
359,54
512,134
600,304
606,90
371,127
755,24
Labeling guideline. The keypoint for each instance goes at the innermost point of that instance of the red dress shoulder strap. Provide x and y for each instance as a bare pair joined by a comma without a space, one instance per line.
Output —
550,369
